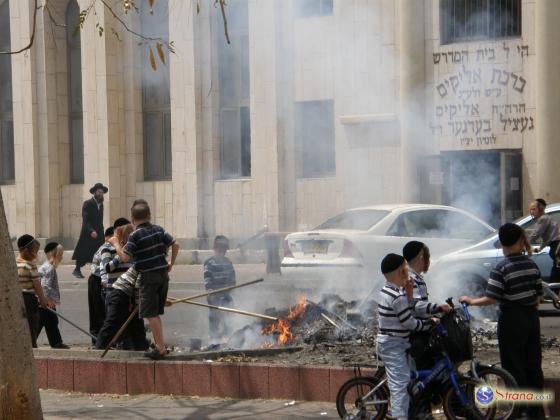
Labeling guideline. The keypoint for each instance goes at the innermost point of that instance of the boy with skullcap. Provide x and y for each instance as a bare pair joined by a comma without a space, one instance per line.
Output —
30,282
396,322
515,283
49,281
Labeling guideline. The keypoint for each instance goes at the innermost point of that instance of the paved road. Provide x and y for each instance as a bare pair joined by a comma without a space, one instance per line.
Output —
183,322
58,405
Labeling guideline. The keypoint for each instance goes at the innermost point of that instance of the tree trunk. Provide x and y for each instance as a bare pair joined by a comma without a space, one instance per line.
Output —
19,395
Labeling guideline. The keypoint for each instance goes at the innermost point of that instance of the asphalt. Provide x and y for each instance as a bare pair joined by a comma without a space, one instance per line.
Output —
58,405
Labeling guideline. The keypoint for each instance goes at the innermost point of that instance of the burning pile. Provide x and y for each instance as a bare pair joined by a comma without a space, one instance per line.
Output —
281,329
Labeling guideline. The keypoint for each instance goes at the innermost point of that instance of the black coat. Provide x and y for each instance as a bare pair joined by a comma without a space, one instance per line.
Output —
92,220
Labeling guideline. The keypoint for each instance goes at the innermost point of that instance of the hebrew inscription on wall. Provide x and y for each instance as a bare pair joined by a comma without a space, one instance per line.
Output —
478,97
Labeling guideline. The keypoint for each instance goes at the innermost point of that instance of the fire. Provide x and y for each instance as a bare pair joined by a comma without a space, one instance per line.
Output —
282,326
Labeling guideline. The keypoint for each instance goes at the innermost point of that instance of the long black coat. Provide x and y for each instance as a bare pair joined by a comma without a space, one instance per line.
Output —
92,220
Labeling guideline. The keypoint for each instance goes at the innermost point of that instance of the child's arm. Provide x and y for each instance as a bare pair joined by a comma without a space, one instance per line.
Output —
174,253
39,292
406,317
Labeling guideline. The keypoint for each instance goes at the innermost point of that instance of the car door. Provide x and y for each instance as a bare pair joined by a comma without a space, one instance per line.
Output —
442,230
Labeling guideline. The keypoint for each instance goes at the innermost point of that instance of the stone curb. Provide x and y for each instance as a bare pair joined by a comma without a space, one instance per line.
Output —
204,379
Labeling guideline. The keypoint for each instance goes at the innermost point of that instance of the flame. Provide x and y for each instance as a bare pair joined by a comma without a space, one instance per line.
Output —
282,326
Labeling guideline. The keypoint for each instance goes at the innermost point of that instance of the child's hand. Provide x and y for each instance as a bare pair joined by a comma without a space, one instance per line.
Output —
169,301
435,320
114,241
466,299
51,304
409,288
444,308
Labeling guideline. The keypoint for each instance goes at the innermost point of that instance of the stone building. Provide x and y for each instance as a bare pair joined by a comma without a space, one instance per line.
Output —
316,106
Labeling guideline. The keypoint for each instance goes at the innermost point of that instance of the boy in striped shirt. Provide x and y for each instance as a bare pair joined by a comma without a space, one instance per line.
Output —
396,321
515,283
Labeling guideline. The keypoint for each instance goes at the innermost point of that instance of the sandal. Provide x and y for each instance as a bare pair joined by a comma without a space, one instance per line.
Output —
155,354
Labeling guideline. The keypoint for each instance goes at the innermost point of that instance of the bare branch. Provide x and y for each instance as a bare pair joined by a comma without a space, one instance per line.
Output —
223,9
28,46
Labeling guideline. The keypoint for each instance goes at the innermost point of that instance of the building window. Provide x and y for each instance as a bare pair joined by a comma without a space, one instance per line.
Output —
314,137
474,20
313,8
75,110
156,101
7,160
235,147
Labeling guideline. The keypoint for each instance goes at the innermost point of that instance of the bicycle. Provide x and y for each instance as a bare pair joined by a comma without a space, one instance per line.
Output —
368,396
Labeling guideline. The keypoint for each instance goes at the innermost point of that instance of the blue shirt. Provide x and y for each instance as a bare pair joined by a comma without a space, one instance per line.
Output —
148,245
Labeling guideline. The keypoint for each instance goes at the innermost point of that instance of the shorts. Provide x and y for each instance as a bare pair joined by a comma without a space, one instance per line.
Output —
152,287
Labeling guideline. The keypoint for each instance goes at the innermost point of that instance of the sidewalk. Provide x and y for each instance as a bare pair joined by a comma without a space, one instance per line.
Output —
59,405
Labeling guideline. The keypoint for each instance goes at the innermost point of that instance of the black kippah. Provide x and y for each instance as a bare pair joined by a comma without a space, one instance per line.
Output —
109,231
24,241
412,249
391,262
121,221
50,246
509,234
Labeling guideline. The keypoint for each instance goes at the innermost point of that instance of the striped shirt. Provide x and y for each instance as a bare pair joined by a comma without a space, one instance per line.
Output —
127,282
395,315
111,266
148,245
96,260
422,308
516,280
49,282
27,274
218,272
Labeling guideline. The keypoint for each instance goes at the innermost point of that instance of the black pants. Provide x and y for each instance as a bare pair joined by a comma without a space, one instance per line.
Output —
50,322
519,340
80,264
96,305
218,320
419,342
32,312
555,271
118,310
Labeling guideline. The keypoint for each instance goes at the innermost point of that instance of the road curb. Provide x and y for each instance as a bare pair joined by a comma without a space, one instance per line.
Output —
204,379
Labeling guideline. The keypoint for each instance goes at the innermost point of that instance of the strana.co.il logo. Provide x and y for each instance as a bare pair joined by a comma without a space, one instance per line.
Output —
484,395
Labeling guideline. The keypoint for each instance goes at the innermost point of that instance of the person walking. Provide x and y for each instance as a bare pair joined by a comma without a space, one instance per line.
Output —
91,235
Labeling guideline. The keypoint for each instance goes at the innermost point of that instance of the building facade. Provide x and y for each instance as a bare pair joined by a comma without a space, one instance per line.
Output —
315,106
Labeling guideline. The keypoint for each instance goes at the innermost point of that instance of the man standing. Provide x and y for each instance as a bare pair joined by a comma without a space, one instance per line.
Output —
91,235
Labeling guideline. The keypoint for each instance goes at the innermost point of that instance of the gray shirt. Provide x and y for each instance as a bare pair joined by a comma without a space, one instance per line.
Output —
546,229
49,282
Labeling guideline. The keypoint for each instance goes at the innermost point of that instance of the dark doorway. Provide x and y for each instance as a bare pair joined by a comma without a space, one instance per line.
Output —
486,183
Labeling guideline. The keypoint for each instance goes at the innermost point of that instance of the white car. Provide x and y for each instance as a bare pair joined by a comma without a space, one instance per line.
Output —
347,249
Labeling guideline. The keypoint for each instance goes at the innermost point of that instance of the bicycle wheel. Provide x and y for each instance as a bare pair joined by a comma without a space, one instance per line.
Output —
499,378
454,409
351,404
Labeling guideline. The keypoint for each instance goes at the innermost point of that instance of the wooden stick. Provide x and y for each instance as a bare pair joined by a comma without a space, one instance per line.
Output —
120,331
330,321
223,308
213,292
58,314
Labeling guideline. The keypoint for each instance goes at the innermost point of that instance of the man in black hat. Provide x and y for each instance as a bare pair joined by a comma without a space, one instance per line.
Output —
91,235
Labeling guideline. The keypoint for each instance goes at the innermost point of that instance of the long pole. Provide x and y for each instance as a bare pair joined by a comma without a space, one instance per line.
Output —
235,311
70,322
213,292
135,311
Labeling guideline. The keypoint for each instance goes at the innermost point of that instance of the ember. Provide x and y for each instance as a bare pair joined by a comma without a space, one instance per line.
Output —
281,328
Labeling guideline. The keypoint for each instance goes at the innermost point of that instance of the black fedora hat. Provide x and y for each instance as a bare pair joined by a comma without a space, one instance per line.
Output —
98,186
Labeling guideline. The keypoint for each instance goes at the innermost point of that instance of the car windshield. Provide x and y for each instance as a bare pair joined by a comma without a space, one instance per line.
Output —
354,220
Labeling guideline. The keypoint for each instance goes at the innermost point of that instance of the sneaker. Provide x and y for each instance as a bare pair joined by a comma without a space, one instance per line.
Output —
60,346
77,273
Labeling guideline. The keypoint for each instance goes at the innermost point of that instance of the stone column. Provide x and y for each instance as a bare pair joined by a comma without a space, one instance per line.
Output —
25,113
547,35
412,82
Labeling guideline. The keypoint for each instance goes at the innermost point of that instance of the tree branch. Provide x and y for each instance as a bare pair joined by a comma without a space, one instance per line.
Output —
223,9
28,46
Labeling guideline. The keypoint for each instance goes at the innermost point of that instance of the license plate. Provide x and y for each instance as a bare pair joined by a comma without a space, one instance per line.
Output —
315,247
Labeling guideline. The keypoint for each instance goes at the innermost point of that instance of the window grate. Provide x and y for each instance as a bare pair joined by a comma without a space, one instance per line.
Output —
475,20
